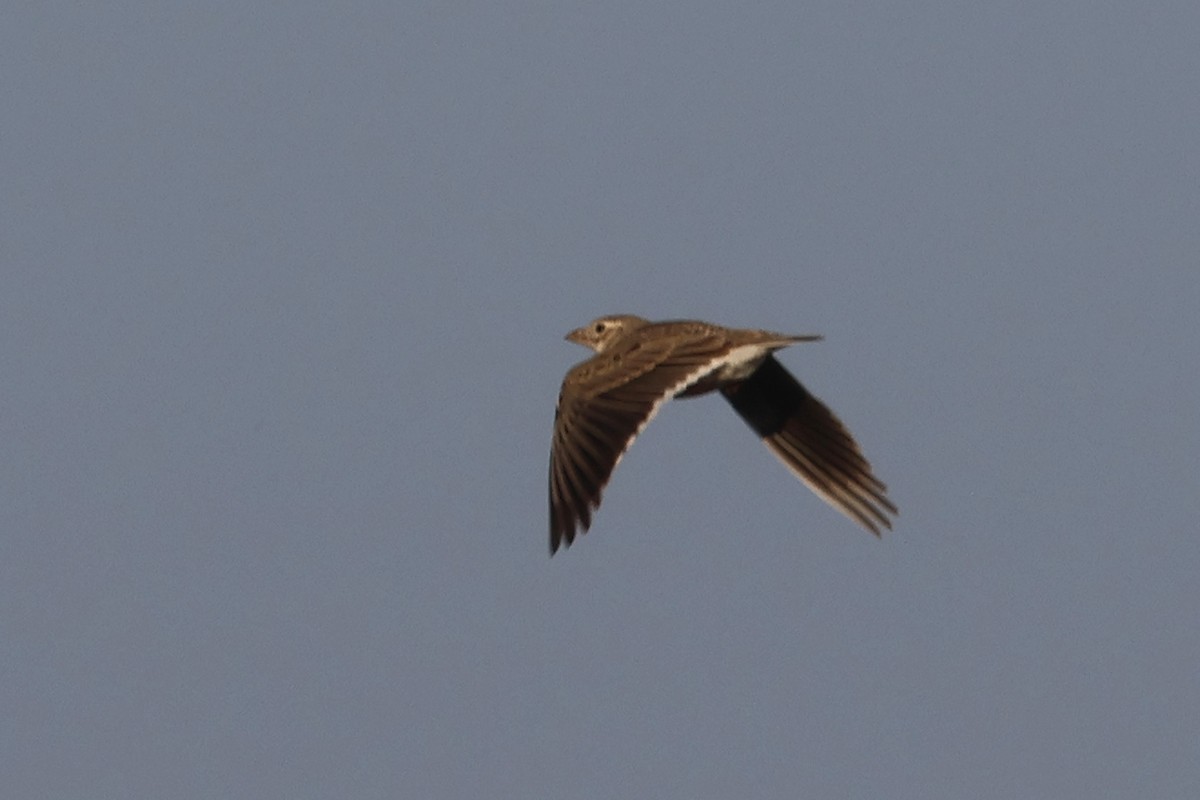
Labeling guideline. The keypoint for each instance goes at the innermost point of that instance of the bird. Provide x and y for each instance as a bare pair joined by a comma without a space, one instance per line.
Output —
608,399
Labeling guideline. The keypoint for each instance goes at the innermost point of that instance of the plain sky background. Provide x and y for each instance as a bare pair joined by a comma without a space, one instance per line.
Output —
282,296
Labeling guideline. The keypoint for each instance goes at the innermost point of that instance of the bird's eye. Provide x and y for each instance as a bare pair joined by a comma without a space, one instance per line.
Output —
599,327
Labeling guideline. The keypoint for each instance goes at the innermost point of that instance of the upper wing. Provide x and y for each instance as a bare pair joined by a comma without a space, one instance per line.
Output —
811,442
604,404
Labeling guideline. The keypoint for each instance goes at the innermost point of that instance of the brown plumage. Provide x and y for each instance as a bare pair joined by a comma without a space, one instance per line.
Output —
607,400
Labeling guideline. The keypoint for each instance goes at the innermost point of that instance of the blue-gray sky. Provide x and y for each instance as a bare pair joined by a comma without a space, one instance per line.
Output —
282,297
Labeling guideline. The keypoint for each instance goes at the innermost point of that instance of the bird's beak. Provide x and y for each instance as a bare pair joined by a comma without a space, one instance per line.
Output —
577,336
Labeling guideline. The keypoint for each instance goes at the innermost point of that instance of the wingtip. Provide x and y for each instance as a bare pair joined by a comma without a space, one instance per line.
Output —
880,524
560,539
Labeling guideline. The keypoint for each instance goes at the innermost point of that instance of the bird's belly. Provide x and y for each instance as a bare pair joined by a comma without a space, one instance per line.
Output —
736,371
739,364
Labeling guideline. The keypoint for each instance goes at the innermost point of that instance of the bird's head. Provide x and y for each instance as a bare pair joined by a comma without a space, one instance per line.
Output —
603,331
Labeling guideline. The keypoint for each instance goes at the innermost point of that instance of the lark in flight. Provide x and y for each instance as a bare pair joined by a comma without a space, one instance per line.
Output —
607,400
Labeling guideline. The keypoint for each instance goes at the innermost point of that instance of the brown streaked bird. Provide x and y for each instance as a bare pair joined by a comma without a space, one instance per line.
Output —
607,400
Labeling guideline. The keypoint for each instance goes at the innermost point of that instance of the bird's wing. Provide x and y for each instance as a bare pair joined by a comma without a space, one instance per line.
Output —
604,404
812,443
